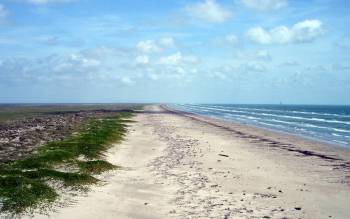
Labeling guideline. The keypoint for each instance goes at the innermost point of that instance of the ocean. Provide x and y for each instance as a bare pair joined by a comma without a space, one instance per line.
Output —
325,123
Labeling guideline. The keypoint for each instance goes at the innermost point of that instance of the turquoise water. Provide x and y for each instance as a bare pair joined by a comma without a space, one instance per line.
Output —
326,123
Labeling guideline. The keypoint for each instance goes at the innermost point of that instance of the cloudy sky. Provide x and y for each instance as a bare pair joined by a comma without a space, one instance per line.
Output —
194,51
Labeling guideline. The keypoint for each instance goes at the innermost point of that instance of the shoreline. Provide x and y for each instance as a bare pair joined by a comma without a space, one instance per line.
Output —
300,135
176,166
231,124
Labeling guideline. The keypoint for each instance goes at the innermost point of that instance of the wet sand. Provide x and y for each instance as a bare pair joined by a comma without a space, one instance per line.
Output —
178,165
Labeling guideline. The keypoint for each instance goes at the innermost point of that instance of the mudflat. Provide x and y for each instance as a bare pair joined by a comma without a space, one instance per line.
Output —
177,165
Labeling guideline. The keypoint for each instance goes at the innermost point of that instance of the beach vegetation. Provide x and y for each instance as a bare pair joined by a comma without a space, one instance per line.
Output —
26,184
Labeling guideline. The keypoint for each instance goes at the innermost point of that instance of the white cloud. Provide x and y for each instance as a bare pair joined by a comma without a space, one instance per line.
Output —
307,30
152,46
167,42
242,72
259,35
127,81
254,67
153,76
45,2
209,11
142,60
100,66
265,5
256,56
74,63
83,61
171,59
3,12
174,66
300,32
148,46
178,59
225,40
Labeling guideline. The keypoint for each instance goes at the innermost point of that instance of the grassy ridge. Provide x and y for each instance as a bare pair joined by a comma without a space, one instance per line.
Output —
21,111
24,183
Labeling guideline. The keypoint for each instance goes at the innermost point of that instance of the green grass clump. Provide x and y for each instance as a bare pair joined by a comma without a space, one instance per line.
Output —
20,193
96,166
44,159
69,178
23,183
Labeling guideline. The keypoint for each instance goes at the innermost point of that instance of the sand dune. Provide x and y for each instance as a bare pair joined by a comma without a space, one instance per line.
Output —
183,166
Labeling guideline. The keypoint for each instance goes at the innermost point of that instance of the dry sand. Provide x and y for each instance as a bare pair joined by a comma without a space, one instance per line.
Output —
183,166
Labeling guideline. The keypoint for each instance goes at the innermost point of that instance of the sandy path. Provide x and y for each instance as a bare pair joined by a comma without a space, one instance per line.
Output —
176,167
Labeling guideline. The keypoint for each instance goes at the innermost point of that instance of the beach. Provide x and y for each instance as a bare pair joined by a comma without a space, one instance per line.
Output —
179,165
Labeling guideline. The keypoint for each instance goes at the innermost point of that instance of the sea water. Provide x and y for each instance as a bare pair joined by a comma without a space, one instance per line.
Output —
325,123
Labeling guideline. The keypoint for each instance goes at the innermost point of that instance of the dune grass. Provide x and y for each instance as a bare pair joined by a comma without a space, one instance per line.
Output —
95,166
24,183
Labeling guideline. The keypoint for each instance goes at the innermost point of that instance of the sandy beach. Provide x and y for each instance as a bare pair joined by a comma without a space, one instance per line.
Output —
177,165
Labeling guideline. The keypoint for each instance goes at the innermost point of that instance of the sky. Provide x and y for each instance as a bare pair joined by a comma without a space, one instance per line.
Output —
175,51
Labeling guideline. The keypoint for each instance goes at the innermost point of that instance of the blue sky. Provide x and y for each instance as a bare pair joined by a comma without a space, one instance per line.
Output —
200,51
